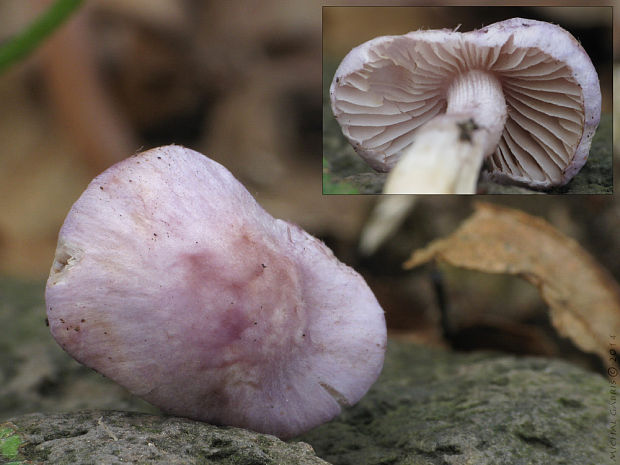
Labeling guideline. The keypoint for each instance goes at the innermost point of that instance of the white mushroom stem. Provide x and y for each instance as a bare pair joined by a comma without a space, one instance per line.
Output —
478,95
384,220
446,155
445,158
448,151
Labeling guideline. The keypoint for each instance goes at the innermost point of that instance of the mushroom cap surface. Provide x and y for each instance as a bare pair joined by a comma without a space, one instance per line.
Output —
171,280
386,88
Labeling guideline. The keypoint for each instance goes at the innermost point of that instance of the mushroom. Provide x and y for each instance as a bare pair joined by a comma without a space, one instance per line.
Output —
171,280
520,95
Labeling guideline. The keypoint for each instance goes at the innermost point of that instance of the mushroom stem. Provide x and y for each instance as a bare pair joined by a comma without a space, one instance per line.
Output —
479,95
448,151
386,217
445,158
446,155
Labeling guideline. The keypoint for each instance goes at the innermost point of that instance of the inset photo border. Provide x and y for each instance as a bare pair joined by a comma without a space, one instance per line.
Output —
467,100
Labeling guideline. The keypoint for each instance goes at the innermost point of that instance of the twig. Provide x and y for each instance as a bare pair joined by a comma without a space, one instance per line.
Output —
108,430
443,303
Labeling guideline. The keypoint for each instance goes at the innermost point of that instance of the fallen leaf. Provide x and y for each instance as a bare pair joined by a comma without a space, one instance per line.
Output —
583,298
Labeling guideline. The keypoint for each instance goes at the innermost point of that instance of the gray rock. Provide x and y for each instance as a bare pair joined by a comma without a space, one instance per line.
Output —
105,437
428,407
439,407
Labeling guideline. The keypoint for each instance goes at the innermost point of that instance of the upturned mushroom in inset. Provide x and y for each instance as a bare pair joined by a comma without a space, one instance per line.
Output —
170,279
520,95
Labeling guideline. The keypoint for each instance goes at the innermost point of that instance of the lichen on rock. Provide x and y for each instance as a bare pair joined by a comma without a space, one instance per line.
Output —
107,437
433,406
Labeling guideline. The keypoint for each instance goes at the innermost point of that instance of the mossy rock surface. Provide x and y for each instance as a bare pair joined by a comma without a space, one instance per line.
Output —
428,407
434,407
106,437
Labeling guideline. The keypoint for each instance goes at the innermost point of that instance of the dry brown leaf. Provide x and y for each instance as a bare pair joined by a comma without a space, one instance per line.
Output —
583,298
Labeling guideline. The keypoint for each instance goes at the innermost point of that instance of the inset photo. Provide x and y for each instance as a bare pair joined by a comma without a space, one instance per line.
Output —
467,100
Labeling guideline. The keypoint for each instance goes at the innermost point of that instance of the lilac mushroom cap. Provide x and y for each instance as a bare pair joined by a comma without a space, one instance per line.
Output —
388,87
171,280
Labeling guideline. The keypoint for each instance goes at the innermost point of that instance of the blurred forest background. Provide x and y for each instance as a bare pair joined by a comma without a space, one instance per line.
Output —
241,82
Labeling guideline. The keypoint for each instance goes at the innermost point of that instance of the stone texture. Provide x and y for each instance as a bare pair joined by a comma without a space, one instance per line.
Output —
436,407
106,437
429,407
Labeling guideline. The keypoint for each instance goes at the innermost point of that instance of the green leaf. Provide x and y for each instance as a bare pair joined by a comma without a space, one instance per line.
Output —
9,443
30,37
